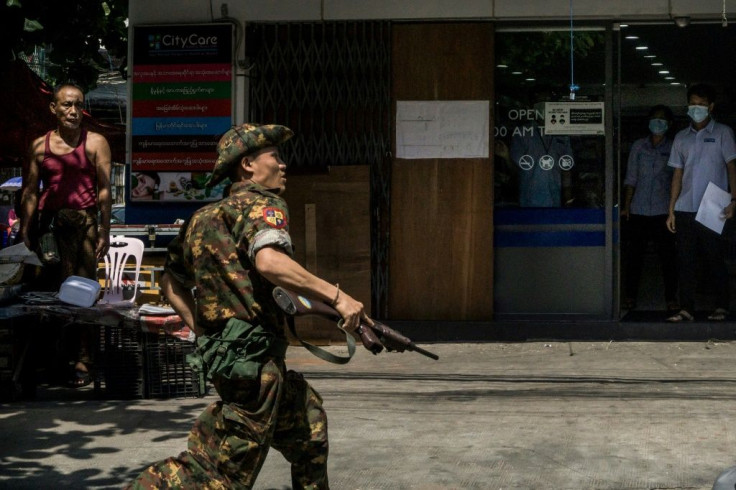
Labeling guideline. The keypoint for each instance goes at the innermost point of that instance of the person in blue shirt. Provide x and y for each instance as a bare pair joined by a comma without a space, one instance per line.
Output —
646,205
703,152
545,181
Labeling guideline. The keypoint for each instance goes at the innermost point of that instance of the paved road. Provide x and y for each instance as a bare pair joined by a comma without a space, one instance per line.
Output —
593,415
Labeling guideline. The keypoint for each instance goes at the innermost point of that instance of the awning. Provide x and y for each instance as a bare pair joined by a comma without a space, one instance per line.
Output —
13,184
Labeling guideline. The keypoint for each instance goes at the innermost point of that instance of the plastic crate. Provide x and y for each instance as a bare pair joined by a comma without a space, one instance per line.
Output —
9,390
17,379
168,375
119,363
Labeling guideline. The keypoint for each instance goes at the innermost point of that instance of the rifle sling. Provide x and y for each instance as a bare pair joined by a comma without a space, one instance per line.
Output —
321,353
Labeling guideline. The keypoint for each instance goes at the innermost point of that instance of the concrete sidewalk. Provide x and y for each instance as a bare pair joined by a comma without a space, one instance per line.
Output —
536,415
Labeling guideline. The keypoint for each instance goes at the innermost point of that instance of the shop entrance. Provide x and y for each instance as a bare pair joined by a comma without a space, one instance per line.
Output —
656,64
553,227
560,247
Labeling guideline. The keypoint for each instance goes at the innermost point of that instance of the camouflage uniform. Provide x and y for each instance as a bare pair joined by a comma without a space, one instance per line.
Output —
262,405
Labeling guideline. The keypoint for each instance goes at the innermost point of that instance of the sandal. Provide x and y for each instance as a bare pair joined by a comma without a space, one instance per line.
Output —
719,315
80,376
80,379
681,316
672,307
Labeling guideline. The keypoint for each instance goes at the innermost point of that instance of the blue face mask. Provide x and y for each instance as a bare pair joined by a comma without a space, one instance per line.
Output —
658,126
697,113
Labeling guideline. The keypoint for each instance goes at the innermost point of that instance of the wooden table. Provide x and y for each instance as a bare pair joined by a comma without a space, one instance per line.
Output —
122,332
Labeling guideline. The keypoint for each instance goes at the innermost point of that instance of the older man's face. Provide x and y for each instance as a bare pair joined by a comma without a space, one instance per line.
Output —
67,107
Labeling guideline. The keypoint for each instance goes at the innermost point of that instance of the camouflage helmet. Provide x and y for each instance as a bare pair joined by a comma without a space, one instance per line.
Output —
243,140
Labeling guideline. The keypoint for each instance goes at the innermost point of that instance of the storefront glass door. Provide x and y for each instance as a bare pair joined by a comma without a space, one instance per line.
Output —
553,240
655,65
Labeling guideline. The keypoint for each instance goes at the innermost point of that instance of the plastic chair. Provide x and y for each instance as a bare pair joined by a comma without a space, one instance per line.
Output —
122,249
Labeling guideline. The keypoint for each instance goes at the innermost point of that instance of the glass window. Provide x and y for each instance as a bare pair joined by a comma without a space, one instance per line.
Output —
542,158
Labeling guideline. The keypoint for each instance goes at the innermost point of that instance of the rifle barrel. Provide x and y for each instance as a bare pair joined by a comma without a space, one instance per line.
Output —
431,355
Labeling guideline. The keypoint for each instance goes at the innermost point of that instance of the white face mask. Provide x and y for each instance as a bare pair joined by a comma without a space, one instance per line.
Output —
658,126
698,113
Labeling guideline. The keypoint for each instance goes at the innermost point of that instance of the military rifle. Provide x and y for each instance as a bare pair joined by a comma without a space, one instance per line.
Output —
374,337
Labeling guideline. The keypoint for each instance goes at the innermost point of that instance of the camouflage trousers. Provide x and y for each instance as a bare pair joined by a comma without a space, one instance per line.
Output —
230,440
76,238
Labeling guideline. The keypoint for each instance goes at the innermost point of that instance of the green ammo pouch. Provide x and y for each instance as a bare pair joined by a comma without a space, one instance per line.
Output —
239,351
196,363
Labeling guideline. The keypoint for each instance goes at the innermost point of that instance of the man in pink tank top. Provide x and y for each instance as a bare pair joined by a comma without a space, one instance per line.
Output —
73,165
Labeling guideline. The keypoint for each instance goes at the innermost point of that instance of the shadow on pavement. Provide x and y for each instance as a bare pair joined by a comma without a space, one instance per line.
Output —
63,425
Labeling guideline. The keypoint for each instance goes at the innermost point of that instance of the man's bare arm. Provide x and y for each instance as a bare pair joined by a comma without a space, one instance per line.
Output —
282,270
181,300
29,196
674,194
729,210
99,153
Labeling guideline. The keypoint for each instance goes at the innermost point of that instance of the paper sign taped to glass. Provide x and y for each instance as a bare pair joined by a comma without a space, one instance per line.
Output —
574,118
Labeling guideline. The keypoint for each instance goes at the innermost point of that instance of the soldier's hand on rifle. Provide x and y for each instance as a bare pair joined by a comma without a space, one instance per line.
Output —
350,310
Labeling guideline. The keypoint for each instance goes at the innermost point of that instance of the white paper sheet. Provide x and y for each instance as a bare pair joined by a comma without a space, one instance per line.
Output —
710,211
442,129
151,309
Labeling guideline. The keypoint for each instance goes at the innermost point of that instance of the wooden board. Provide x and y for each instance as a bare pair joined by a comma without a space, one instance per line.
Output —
441,245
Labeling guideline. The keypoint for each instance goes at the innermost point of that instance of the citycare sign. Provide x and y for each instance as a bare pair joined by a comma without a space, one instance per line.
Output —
182,93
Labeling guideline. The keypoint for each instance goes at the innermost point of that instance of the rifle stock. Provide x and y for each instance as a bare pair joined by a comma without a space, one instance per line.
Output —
374,337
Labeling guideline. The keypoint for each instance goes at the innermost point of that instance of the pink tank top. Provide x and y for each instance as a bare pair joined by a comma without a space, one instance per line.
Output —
69,181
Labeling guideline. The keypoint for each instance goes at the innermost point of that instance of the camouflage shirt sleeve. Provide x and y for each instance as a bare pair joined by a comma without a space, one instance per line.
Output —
268,226
267,238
